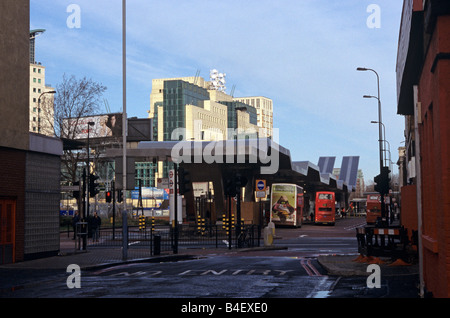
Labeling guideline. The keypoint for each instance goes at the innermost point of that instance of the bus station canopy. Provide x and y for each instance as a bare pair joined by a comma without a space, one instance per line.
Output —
257,158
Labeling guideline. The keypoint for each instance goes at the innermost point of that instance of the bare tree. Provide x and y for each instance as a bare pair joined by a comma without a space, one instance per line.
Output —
74,99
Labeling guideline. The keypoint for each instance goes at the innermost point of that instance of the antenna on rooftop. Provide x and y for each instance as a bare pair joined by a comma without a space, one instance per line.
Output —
108,109
196,76
232,90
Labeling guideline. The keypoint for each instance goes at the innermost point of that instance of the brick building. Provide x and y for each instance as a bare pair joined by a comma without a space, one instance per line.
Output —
423,85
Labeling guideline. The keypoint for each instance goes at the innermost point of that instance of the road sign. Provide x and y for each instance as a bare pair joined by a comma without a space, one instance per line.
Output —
163,183
171,179
261,185
260,188
260,194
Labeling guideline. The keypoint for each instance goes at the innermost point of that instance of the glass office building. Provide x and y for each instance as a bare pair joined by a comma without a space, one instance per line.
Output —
178,94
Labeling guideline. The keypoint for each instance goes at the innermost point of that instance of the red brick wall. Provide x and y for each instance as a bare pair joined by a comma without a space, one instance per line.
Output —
12,185
408,213
434,94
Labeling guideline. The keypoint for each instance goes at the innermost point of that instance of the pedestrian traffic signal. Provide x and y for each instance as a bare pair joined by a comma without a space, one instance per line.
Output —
119,196
184,181
93,187
108,196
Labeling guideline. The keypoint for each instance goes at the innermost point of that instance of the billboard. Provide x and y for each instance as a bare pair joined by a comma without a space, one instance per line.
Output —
150,193
107,125
286,204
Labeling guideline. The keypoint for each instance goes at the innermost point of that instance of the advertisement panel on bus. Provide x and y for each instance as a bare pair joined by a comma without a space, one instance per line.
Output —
287,204
325,208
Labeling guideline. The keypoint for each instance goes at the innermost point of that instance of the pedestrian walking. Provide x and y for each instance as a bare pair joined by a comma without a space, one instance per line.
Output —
75,220
96,222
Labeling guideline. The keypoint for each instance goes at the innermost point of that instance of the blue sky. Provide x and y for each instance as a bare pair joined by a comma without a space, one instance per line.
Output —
302,54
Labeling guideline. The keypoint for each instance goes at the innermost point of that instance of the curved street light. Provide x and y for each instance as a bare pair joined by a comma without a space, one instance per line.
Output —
387,162
39,108
383,207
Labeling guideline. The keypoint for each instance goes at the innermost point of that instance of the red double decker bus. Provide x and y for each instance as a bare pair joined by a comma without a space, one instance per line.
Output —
373,208
325,208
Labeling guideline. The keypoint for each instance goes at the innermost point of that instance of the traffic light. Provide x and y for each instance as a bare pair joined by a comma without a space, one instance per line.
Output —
230,187
76,193
184,181
241,181
119,196
382,181
108,196
93,187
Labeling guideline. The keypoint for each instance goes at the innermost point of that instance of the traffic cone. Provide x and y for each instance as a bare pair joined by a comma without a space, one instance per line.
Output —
399,262
365,259
368,259
377,260
360,257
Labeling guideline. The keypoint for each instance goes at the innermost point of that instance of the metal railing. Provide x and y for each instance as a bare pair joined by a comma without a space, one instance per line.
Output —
162,239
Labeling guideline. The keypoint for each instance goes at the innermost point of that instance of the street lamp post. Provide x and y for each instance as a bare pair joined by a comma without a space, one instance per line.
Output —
380,138
124,131
388,149
88,172
39,108
86,182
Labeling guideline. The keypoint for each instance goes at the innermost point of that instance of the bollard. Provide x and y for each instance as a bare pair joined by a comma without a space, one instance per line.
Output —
157,241
268,237
271,226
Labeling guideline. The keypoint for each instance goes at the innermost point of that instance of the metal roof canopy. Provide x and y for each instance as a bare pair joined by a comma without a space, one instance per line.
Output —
242,154
326,164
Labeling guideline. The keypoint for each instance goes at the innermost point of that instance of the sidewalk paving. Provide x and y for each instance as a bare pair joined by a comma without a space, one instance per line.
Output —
351,265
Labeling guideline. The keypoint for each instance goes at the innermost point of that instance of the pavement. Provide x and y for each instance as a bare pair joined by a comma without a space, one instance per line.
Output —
351,265
95,257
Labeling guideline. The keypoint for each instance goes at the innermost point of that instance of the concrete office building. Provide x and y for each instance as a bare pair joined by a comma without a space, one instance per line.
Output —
264,111
41,113
41,101
29,162
188,108
206,114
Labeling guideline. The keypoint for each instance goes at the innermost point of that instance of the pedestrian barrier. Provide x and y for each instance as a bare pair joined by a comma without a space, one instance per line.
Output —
158,239
373,241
